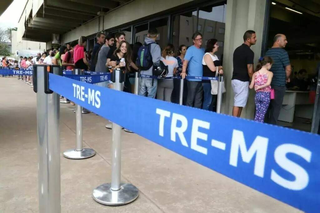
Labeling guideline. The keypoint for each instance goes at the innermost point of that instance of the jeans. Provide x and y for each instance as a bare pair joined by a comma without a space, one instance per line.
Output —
148,88
165,88
195,90
275,105
209,100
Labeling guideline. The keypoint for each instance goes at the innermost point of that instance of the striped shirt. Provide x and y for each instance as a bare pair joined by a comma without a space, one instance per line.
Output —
280,59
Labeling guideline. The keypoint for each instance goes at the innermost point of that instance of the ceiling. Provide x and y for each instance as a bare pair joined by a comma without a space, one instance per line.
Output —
61,16
4,4
302,30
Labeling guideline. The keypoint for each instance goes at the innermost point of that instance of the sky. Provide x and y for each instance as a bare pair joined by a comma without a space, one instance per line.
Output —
10,17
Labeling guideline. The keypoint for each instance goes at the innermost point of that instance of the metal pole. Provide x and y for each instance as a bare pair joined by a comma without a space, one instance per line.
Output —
181,91
48,109
116,193
316,110
80,152
219,98
136,83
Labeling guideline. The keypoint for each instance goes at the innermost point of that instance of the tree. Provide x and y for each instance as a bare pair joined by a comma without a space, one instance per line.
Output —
5,40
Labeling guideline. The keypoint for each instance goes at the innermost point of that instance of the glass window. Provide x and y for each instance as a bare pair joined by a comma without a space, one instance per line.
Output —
141,32
127,31
212,20
183,27
162,26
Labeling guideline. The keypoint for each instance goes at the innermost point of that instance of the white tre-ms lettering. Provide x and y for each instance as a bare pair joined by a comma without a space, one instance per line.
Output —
92,96
258,149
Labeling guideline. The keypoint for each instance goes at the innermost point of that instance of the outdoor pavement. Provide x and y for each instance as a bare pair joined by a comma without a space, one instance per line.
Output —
167,181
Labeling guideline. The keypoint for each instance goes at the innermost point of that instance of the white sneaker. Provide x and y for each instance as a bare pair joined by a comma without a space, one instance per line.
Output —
127,130
109,126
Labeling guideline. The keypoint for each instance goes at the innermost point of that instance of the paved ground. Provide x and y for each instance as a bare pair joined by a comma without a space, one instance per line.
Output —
167,181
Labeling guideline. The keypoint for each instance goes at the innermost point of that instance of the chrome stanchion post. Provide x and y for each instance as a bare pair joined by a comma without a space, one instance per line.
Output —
80,152
181,91
136,83
48,109
116,193
219,98
316,112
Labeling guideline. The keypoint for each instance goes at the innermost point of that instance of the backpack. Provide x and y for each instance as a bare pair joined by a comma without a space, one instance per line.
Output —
144,59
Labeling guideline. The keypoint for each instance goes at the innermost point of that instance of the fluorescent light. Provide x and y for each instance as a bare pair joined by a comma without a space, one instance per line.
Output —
273,3
288,8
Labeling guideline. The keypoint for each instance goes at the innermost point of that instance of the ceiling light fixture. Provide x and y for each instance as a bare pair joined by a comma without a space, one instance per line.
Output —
295,11
273,3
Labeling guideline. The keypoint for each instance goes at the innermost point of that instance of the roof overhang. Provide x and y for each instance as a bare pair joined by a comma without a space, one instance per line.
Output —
61,16
4,4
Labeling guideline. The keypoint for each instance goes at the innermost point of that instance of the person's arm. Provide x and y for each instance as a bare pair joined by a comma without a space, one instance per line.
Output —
250,70
270,76
209,63
252,82
85,59
288,72
134,65
184,69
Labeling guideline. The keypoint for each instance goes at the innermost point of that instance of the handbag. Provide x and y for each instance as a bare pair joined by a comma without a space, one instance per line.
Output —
272,94
215,85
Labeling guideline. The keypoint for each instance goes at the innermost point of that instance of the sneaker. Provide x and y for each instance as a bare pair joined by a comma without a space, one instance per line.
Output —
127,130
109,126
85,111
64,101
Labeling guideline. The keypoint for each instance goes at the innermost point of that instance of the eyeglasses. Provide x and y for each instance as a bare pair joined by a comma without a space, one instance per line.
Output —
198,39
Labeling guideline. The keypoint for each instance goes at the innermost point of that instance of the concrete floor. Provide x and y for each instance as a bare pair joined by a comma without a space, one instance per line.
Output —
167,181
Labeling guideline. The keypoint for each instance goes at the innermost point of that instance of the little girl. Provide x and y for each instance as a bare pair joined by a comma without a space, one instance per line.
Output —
261,81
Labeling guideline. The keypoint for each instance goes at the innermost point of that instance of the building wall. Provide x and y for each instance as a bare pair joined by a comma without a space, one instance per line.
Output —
241,16
19,45
127,13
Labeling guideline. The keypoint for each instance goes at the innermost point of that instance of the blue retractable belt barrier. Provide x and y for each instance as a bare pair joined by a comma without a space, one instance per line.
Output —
178,77
280,162
15,72
92,79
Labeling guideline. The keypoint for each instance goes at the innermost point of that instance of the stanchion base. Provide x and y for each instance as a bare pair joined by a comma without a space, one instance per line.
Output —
79,154
105,196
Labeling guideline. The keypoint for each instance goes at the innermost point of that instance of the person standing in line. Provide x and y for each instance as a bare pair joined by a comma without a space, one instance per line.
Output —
176,82
121,36
48,59
67,60
148,87
242,72
261,81
165,86
79,56
103,54
96,49
281,69
193,60
210,64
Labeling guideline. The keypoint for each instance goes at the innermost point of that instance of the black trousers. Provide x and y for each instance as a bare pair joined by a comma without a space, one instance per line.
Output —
195,93
275,105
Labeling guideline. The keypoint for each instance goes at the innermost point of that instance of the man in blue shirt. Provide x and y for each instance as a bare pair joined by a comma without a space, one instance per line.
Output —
193,60
96,49
281,69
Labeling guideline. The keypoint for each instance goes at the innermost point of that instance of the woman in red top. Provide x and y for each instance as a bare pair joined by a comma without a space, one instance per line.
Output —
79,56
4,62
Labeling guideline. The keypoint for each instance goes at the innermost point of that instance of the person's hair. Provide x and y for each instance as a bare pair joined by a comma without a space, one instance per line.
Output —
127,56
82,39
263,61
99,34
62,50
210,44
135,49
152,32
194,36
118,34
168,50
276,37
110,36
248,34
180,49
